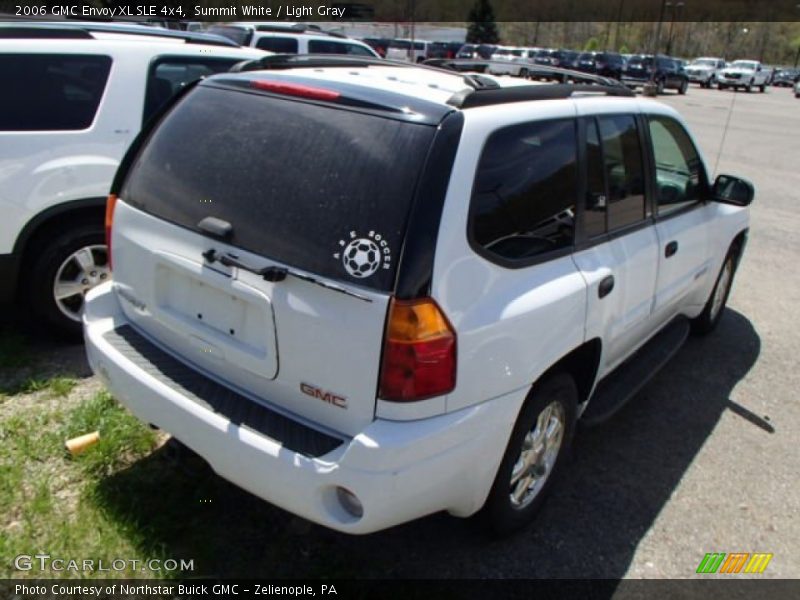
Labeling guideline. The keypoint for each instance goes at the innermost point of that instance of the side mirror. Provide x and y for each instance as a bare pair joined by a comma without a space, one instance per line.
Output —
732,190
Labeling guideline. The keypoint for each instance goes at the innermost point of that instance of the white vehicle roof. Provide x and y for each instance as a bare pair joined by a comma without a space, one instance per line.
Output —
130,44
439,86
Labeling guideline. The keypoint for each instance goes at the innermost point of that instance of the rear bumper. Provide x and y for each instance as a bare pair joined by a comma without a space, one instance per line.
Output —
398,470
9,270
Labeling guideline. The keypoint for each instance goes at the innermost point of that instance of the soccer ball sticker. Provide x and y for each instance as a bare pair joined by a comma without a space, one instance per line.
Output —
362,255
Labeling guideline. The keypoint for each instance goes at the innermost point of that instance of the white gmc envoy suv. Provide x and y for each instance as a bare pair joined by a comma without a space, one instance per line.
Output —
367,291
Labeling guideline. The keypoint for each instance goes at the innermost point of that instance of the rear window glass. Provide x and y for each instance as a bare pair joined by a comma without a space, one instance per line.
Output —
330,47
51,92
303,184
169,74
281,45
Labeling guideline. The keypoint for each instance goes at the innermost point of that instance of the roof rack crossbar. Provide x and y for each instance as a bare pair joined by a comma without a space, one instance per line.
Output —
478,65
524,93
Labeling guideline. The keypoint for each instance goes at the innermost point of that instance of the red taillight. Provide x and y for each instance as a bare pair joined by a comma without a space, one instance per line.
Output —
295,89
419,352
111,202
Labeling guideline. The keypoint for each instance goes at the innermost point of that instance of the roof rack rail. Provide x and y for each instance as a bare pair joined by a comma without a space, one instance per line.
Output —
83,30
524,93
461,65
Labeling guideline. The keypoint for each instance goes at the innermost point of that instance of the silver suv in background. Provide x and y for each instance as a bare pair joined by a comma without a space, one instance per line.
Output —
704,71
81,92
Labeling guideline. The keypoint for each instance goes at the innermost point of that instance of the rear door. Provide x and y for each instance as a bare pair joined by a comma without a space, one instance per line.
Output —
233,182
617,254
682,217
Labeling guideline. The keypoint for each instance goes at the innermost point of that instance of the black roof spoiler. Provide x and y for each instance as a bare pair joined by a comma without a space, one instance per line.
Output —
573,83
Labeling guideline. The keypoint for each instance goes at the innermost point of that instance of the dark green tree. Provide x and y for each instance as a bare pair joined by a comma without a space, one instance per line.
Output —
482,27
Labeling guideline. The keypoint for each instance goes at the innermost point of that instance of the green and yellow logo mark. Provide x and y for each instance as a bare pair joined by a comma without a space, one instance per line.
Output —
735,562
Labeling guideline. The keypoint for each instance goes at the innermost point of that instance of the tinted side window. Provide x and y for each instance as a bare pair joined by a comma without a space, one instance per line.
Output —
623,169
51,92
523,201
169,74
281,45
595,205
680,176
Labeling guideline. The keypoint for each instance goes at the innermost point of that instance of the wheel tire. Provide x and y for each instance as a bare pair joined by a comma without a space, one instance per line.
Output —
45,267
707,320
762,88
523,73
500,516
682,89
749,87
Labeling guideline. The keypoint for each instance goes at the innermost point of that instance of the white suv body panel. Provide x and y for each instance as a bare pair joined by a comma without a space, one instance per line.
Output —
399,470
41,169
521,307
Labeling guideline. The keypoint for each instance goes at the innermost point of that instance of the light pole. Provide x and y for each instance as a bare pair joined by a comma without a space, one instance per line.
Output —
674,6
797,56
650,88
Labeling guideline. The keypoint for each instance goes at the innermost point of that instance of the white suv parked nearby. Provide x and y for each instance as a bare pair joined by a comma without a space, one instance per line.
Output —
368,292
291,39
77,95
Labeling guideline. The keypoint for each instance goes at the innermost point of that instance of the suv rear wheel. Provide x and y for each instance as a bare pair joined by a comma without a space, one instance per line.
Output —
536,450
64,270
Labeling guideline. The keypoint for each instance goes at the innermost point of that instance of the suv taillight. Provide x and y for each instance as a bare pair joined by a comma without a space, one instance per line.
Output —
111,202
419,352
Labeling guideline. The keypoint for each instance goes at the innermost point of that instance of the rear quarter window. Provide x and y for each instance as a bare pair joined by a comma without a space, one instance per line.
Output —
51,92
298,181
523,199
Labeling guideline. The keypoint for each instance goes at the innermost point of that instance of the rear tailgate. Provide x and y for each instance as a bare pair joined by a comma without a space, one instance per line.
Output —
317,190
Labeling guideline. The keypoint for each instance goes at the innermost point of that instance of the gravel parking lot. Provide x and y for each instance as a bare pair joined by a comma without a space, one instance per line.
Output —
704,459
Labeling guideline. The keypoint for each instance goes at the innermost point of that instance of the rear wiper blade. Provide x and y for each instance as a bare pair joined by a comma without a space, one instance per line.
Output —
275,274
330,286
